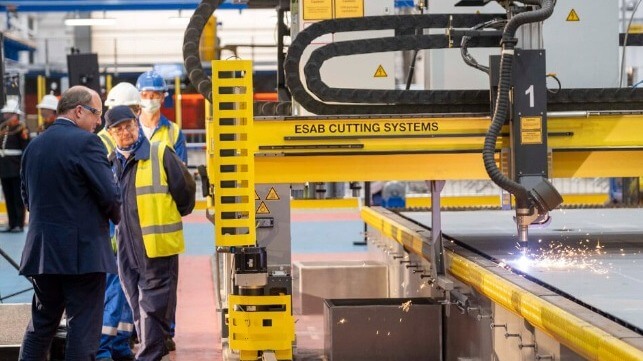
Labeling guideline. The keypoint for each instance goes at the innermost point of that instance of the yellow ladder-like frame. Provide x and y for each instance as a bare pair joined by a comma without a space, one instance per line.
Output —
230,152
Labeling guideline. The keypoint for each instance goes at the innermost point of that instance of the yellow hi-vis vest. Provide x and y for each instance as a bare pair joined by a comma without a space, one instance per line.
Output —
107,140
159,217
168,135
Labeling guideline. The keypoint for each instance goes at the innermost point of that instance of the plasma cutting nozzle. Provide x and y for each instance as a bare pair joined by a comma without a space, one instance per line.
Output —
523,238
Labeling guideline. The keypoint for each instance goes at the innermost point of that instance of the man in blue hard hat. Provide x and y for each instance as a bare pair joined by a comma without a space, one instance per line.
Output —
156,127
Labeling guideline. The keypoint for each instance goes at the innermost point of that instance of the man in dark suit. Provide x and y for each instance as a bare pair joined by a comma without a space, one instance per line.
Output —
71,194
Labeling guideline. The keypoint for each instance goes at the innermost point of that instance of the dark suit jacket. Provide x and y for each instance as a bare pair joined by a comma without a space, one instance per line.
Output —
71,193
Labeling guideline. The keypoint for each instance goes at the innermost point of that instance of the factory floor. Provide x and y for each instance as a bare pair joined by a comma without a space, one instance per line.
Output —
317,235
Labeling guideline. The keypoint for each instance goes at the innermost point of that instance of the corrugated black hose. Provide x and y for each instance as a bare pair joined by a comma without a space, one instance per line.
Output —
502,101
191,39
464,50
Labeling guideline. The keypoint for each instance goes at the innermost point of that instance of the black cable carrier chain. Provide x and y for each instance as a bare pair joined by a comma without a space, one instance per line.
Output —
367,46
632,39
416,101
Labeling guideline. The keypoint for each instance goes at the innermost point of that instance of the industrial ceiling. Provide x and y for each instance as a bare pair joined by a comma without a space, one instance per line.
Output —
113,5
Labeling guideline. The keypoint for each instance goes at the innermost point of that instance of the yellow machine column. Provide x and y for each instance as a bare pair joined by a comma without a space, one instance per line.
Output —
260,324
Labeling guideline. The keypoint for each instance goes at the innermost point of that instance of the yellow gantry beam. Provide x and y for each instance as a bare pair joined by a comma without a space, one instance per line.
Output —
417,148
579,335
586,339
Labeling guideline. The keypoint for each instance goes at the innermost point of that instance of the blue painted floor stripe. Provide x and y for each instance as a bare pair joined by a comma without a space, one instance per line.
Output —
308,237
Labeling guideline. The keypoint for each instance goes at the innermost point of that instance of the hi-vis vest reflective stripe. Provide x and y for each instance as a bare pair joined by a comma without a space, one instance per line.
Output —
160,219
107,141
122,327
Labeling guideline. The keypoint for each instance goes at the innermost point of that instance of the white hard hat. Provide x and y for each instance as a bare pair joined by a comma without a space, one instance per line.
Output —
48,102
123,94
12,106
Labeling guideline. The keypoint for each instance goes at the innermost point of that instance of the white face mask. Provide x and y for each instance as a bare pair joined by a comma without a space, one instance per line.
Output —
150,106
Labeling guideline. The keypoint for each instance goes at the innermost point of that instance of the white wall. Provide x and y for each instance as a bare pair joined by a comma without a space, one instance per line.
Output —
53,39
149,37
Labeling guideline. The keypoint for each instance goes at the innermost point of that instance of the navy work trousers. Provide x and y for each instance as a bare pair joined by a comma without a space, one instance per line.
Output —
81,297
149,286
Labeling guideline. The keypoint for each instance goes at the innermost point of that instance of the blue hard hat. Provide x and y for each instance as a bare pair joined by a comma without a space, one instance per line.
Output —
151,80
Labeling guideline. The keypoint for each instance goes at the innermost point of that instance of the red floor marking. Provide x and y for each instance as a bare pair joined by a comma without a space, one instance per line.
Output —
310,334
197,331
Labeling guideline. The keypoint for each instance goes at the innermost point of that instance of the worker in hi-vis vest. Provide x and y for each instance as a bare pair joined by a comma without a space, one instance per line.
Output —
118,324
157,128
157,190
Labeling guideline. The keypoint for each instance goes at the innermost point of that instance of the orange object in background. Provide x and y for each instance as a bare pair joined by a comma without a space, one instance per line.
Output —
31,100
265,97
192,110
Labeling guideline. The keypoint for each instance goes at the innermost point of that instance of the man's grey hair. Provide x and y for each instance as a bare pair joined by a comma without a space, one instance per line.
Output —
73,97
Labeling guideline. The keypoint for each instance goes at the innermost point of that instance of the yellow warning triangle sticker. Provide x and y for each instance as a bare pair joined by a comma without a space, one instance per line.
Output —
272,195
263,209
573,16
257,196
380,72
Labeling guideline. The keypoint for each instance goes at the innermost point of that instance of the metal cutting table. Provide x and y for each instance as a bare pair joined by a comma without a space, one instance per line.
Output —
576,295
593,255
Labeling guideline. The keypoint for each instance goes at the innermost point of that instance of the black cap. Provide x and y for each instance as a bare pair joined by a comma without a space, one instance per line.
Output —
118,114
